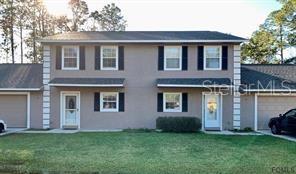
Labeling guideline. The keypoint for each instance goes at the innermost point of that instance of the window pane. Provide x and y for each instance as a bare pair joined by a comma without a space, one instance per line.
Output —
109,63
70,62
172,52
70,52
109,52
172,101
172,63
109,105
212,63
213,52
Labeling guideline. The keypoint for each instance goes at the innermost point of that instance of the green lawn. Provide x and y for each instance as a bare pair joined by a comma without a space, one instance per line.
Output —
143,153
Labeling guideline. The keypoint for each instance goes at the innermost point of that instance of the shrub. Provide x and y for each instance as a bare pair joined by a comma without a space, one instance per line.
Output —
178,124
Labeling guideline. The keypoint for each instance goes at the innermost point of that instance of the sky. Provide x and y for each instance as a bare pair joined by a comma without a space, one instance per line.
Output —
238,17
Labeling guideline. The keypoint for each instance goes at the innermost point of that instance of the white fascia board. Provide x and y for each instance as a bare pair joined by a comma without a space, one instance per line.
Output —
193,86
270,90
20,89
86,85
140,41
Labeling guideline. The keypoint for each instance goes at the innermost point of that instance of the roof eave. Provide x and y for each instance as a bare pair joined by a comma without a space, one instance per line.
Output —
139,41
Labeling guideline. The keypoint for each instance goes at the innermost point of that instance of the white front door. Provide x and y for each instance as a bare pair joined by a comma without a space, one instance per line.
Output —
70,109
212,110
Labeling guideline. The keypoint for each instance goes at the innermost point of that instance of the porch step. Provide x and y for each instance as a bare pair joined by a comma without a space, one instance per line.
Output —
70,127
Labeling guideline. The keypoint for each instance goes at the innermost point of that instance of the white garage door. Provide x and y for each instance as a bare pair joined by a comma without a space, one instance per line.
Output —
13,110
272,106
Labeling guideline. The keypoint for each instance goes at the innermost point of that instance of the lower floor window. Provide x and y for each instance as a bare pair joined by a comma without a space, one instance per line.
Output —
172,102
109,102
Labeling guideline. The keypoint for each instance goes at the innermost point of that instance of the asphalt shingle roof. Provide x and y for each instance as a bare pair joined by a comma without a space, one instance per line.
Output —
268,76
21,75
88,81
193,81
141,35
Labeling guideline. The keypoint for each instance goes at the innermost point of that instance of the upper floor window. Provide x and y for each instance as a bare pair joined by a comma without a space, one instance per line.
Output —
213,57
70,59
109,58
172,57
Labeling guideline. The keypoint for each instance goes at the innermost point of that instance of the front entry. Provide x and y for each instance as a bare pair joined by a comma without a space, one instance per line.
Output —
70,114
212,111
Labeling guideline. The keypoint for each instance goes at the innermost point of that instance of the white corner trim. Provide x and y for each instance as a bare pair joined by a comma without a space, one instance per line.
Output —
256,113
20,89
86,85
194,86
28,110
137,41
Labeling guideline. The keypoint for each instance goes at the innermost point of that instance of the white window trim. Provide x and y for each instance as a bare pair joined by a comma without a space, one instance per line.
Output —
205,58
101,61
77,60
109,110
180,58
164,101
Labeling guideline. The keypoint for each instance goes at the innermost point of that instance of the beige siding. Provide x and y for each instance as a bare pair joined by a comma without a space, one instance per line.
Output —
247,111
141,72
13,110
272,106
140,108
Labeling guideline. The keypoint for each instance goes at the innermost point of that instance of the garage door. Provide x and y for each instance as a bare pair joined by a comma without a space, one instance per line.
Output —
13,110
272,106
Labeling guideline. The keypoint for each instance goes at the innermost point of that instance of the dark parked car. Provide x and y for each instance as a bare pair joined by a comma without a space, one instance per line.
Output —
286,122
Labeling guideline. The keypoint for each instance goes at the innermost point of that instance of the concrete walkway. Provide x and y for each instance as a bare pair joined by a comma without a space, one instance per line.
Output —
12,130
283,136
226,132
53,131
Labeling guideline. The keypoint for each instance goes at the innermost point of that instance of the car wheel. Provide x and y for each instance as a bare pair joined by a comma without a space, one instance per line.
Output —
275,129
1,128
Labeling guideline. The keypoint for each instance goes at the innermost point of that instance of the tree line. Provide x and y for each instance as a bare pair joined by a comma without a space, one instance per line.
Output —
22,22
277,33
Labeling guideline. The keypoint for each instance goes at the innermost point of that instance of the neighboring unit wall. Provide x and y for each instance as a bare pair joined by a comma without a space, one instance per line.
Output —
247,111
36,110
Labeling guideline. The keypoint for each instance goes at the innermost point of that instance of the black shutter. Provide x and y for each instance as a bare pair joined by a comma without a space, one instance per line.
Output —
184,57
97,57
160,58
160,102
120,58
58,57
200,57
121,102
97,101
82,57
224,57
184,102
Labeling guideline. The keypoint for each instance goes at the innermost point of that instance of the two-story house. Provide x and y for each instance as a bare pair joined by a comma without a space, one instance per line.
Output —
117,80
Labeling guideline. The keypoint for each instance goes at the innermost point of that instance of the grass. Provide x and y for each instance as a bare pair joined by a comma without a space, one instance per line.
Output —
145,153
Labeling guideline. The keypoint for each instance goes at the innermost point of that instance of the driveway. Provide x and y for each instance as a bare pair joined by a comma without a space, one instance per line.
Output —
12,130
284,135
